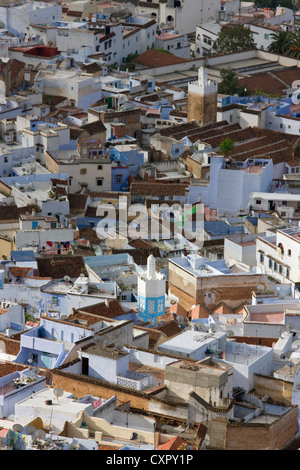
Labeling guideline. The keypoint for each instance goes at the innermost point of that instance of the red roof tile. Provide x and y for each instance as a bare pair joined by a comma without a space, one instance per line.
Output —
152,58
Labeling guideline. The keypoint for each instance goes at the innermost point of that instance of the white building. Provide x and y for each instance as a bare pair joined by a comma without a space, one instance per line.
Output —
182,16
248,360
241,248
81,90
18,16
231,184
195,344
54,411
206,35
177,44
285,203
278,254
92,172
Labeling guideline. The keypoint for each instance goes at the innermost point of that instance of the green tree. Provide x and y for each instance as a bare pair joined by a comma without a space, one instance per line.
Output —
226,146
230,83
294,49
281,41
233,39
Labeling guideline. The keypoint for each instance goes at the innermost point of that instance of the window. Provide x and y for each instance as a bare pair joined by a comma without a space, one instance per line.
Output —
119,178
280,269
289,252
99,167
99,181
83,171
287,272
261,258
258,201
270,263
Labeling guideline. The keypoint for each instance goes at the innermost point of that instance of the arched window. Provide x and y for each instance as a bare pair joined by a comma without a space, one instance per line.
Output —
280,248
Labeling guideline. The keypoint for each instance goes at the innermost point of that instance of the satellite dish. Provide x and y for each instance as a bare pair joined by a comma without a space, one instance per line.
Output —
31,430
64,317
40,433
36,370
58,392
67,278
180,320
229,333
280,330
17,428
82,275
212,327
200,326
289,326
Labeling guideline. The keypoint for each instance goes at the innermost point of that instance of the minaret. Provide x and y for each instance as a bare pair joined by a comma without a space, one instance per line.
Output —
202,99
151,293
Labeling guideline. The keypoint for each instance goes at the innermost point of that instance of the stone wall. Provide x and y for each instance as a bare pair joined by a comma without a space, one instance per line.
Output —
275,436
278,390
202,108
81,385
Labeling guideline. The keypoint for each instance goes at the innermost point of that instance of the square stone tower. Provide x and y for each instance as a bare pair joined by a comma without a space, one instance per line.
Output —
202,99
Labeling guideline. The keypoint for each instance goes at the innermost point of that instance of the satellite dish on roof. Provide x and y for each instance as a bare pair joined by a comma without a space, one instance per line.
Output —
36,370
40,433
58,392
212,327
280,330
67,278
229,333
200,326
17,427
180,320
31,430
289,326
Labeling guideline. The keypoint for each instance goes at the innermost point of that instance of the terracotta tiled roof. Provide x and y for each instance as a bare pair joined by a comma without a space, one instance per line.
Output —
140,255
113,310
10,212
18,271
77,201
90,235
93,128
58,266
273,83
149,189
152,58
177,443
170,328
